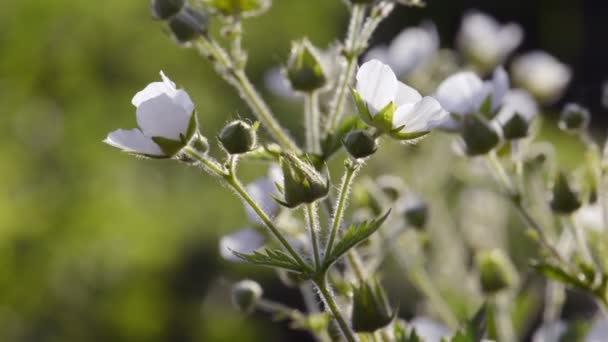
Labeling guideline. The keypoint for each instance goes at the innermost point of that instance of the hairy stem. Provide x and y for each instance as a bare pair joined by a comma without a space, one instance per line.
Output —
312,122
332,306
349,174
313,226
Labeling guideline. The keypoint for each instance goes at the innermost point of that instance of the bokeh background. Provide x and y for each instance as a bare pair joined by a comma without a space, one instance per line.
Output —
98,246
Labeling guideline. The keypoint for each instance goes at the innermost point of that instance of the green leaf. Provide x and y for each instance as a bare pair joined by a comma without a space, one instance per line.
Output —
353,236
560,275
333,141
272,258
475,329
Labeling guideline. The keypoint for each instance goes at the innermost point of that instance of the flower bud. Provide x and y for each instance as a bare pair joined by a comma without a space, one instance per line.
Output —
564,200
238,137
371,310
302,183
360,144
416,213
515,128
165,9
496,271
574,118
479,136
245,295
188,25
304,70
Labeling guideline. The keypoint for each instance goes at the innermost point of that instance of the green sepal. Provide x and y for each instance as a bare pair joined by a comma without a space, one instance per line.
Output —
168,146
371,310
362,108
401,334
192,128
486,107
564,200
383,120
479,137
395,134
333,141
515,128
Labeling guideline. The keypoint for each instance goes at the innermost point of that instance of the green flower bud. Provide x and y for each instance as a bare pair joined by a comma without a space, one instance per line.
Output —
564,200
302,182
244,8
574,118
360,144
416,213
238,137
245,295
515,128
371,310
478,135
188,25
304,70
496,271
165,9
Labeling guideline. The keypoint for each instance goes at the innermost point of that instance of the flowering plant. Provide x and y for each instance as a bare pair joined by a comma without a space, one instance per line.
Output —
341,256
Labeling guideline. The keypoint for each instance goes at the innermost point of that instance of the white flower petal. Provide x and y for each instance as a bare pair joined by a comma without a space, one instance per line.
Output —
133,141
421,117
550,332
162,116
500,86
517,101
243,241
598,332
406,94
151,91
261,191
377,84
168,83
412,47
462,93
379,53
541,74
509,38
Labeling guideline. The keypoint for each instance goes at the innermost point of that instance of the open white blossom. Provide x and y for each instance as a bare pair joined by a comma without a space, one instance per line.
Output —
486,41
163,111
542,75
464,93
411,48
517,101
378,87
243,241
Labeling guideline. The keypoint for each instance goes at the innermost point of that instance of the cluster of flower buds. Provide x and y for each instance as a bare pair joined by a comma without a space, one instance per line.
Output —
184,22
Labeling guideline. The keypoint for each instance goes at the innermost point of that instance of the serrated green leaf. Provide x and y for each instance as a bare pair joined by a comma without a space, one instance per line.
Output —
333,141
271,258
355,234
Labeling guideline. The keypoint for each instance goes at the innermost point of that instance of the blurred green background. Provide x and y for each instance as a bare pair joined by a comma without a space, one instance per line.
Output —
94,244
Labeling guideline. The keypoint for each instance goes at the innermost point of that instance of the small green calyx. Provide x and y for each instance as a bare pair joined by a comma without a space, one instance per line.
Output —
360,144
302,182
417,215
564,199
304,70
238,137
172,147
188,25
515,128
479,137
165,9
371,310
574,118
245,8
496,271
245,295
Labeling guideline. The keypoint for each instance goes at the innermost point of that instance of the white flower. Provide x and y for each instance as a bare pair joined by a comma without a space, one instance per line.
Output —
411,48
486,41
517,101
243,241
550,332
429,330
590,217
542,75
378,87
464,93
598,332
261,190
163,111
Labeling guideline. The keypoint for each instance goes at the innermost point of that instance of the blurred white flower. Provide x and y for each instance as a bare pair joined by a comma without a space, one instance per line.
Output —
163,111
261,190
378,87
429,330
276,82
590,217
550,332
598,332
243,241
542,75
485,41
464,93
411,48
517,101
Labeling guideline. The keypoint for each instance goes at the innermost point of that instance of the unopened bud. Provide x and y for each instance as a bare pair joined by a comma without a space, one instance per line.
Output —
478,135
416,213
360,144
564,199
496,271
165,9
245,295
515,128
371,310
238,137
574,118
302,183
304,70
188,25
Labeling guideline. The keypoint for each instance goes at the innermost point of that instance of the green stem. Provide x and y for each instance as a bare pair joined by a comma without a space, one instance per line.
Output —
350,171
312,122
504,323
331,304
354,262
230,179
424,284
313,227
350,46
235,76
